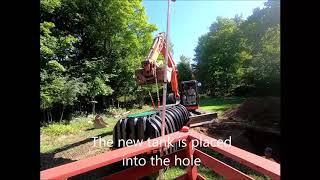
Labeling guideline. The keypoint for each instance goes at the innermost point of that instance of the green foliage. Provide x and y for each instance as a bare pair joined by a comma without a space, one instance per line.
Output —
49,5
220,56
72,88
55,66
239,57
98,87
55,88
184,69
55,47
90,48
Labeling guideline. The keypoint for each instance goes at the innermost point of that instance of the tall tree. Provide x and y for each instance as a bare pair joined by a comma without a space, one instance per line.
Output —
184,69
98,42
241,56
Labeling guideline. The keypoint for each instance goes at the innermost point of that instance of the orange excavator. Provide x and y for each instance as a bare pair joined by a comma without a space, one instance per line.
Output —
182,111
153,72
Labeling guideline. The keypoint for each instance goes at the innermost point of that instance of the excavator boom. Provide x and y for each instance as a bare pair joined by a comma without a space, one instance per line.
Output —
153,71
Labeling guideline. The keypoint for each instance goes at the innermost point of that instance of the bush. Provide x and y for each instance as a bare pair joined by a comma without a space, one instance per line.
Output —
65,128
58,129
115,111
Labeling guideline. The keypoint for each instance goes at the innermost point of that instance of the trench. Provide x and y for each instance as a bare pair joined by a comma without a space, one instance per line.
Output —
251,139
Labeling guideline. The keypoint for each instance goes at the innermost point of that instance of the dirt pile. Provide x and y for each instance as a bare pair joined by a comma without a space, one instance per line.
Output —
260,111
253,126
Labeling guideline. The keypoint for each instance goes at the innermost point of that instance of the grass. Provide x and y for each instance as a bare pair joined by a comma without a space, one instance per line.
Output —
58,135
174,172
177,171
220,104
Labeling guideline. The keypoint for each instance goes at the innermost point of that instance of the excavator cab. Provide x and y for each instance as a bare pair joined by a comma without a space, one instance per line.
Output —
189,94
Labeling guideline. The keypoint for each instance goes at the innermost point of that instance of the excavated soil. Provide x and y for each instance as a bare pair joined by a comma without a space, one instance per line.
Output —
253,126
260,111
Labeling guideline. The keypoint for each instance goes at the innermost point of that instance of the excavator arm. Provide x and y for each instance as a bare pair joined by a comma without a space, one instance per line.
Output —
153,71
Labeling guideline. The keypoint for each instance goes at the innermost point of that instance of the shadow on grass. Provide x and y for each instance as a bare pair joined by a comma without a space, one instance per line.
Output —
90,129
47,160
69,146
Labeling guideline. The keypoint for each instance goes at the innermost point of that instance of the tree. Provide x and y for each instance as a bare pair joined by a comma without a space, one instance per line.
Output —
219,55
72,88
99,44
241,56
184,69
266,63
262,31
51,86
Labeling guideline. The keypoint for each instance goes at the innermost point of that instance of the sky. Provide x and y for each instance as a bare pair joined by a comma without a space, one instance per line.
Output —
190,19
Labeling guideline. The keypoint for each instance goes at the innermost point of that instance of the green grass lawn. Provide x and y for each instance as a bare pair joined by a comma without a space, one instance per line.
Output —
220,104
57,135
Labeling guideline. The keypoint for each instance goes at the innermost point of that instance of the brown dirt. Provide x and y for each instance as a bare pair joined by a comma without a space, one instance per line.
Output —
261,111
249,126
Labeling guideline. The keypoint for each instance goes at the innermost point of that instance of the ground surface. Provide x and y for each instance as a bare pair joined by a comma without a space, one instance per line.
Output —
71,145
64,143
253,124
61,143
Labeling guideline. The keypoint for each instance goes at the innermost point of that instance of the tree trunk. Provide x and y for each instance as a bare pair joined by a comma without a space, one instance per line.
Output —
104,102
62,113
118,104
44,116
93,106
49,116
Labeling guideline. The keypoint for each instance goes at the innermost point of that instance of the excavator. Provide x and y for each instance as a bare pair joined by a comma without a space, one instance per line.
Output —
152,72
182,111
